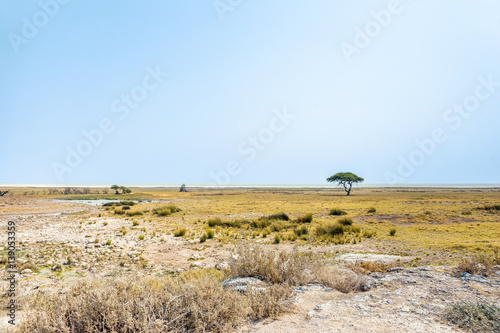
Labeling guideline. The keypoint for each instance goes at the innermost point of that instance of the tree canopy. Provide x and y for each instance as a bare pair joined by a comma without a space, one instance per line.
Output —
345,179
122,188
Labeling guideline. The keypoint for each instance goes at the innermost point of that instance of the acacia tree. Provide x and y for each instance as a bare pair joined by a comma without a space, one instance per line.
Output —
345,179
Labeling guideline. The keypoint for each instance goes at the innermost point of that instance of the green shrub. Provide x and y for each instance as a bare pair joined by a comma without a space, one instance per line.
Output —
126,207
135,223
301,231
217,221
141,237
135,213
336,211
277,239
305,219
330,229
166,210
203,238
345,221
392,232
214,221
369,234
210,234
279,216
278,226
180,232
491,207
372,210
261,223
475,317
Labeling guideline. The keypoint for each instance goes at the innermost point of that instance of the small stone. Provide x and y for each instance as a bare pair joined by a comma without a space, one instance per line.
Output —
222,266
395,269
27,271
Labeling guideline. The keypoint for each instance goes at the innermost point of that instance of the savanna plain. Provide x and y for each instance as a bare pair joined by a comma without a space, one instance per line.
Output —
253,260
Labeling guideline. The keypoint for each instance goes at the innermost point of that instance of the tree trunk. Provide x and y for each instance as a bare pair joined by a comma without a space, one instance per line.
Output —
349,191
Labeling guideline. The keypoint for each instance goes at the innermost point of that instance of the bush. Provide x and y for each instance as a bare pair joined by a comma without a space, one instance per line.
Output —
261,223
277,239
305,219
490,207
166,210
336,211
372,210
121,203
141,237
216,221
330,229
474,265
291,268
392,232
270,302
203,238
345,221
180,232
135,223
369,234
278,226
279,216
301,231
210,234
475,317
135,213
149,305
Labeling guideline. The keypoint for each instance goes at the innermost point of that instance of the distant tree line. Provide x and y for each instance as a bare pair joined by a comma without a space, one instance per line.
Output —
76,190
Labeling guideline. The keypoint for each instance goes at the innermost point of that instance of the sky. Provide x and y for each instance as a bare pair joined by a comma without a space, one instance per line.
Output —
230,92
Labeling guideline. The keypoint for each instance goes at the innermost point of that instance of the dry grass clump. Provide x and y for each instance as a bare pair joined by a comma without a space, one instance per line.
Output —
292,268
271,266
271,301
479,263
339,278
149,305
367,267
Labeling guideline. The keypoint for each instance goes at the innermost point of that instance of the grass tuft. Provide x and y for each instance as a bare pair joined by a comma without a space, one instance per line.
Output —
337,212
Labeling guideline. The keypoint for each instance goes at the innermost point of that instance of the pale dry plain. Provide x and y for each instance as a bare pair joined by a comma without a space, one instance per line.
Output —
410,277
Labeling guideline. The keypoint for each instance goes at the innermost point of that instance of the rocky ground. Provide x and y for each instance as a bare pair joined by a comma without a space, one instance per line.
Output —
66,249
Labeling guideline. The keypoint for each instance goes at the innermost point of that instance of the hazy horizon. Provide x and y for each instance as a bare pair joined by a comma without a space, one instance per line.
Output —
282,92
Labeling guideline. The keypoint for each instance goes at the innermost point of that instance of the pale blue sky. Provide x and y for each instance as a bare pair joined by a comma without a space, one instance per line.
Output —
226,79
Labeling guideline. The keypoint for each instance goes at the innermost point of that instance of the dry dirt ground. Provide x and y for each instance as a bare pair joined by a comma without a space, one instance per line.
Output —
409,299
